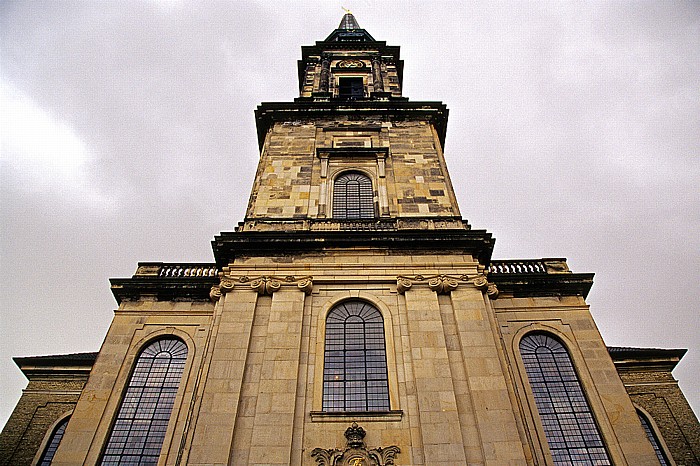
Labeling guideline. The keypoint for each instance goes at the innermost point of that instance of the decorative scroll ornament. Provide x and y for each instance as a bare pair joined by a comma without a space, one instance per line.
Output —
306,285
403,284
351,64
492,291
265,285
480,282
356,452
215,293
226,285
442,284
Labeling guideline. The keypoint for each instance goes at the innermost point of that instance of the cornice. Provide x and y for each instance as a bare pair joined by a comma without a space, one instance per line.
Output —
268,113
228,245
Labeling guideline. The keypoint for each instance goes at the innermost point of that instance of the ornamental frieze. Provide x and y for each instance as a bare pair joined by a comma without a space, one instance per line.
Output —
356,452
444,284
263,285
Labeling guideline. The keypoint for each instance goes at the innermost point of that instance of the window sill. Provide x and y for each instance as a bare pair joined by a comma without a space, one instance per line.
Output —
361,416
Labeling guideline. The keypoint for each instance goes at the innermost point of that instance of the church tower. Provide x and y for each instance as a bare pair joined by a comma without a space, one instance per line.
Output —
355,318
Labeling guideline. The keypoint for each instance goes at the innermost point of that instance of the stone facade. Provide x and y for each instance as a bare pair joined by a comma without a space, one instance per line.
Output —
55,383
254,322
646,374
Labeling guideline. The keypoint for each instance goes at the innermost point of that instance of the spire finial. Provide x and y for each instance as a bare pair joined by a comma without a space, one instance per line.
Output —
348,22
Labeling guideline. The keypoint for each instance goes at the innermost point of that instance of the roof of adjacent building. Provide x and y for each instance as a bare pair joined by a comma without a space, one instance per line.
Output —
71,359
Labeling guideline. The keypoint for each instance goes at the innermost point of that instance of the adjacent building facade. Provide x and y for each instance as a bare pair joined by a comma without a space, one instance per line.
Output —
353,318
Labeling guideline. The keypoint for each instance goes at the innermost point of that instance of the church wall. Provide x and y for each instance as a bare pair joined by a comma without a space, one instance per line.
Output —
411,182
568,319
46,400
658,394
135,324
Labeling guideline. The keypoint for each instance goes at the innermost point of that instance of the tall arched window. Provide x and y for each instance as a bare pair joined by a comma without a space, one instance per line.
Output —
653,439
353,197
354,370
571,431
54,441
139,429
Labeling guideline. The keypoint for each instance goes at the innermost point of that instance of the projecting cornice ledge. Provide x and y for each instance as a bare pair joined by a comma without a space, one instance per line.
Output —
531,285
229,245
167,282
269,112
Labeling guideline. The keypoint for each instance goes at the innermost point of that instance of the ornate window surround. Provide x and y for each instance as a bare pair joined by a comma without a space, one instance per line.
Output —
142,338
133,382
317,414
561,330
370,161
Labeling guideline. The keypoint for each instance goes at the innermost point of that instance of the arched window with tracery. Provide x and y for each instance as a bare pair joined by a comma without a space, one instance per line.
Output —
355,370
139,429
353,196
653,439
569,426
54,441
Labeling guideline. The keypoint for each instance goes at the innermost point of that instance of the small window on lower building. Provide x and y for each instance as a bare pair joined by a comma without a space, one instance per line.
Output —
54,441
653,439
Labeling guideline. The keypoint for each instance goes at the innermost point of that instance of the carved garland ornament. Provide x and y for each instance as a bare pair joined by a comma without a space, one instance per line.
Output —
264,285
356,452
444,284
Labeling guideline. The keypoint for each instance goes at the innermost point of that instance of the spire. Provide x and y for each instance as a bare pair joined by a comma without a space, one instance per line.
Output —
349,30
349,22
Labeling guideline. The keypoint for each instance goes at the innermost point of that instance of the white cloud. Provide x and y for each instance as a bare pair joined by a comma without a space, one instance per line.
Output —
41,151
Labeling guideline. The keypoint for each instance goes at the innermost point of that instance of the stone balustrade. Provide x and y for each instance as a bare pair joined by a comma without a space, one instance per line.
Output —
176,270
529,266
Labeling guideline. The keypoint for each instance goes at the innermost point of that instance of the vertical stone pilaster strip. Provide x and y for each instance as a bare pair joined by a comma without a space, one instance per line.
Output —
439,420
487,378
325,73
213,435
322,195
274,413
381,184
377,74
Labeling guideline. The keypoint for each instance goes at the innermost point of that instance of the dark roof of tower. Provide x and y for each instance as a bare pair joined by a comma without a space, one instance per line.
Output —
349,30
349,22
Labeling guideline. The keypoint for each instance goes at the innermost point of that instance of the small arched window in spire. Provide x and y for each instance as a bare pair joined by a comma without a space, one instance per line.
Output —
353,196
571,431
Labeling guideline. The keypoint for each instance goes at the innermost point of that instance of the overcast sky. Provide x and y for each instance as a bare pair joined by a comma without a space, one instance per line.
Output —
128,135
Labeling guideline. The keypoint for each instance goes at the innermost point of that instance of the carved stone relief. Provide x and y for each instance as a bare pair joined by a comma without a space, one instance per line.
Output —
356,452
263,285
444,284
